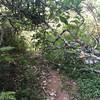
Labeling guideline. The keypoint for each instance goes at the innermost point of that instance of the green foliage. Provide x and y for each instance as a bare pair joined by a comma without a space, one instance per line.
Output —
21,76
89,86
15,41
5,49
32,15
11,40
9,95
19,43
29,87
72,3
6,58
67,61
4,54
64,20
27,14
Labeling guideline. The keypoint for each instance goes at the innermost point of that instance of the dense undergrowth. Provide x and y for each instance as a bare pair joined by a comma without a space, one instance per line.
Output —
89,86
19,78
88,82
61,32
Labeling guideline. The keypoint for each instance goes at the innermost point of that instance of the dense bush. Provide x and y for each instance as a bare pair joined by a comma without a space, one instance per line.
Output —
58,25
14,40
9,95
20,76
89,86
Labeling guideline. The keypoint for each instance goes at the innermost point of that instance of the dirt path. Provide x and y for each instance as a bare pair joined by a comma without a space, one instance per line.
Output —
54,87
52,84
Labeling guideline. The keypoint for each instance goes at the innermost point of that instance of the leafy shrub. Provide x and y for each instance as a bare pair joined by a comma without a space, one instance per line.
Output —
72,64
4,54
12,38
89,86
9,75
16,41
20,76
67,60
29,88
5,49
9,95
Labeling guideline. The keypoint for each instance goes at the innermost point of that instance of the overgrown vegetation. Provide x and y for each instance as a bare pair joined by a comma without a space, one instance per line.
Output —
17,73
64,36
88,86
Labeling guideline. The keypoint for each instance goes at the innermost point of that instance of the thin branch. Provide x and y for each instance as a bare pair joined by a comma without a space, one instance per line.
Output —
59,36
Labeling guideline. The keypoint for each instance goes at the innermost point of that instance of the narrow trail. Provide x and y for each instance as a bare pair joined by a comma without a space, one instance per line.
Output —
51,82
54,87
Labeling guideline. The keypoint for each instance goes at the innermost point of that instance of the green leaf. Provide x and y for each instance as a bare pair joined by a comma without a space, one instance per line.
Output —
7,96
67,2
8,48
64,20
